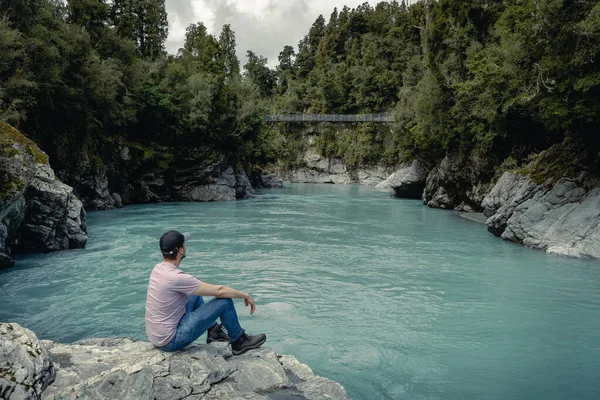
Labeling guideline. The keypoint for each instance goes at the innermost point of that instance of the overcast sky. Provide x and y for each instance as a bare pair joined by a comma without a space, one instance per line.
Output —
263,26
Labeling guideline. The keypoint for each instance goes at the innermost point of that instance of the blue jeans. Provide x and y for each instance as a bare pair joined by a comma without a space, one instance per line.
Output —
199,316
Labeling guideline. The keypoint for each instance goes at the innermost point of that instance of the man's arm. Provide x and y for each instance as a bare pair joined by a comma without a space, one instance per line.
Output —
224,292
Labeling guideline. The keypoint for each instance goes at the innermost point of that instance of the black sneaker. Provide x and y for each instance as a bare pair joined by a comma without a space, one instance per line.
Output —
247,342
217,334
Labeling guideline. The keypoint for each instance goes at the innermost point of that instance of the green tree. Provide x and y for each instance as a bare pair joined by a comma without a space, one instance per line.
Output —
286,59
204,48
92,15
144,22
257,71
285,69
15,82
316,34
231,64
24,14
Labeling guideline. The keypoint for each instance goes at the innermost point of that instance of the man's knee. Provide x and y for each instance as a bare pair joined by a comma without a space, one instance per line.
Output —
226,302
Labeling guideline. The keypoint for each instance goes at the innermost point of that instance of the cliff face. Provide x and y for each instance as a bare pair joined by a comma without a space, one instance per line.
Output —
560,215
562,218
331,153
320,169
38,213
459,183
131,174
408,182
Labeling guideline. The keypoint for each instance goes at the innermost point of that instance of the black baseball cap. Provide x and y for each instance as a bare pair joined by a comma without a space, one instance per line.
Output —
171,241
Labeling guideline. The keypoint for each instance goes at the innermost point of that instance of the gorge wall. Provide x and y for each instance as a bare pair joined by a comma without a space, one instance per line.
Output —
320,169
557,213
340,153
129,173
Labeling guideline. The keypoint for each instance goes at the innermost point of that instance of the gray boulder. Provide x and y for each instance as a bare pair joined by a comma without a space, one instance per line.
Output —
309,385
11,217
119,368
25,368
510,191
271,181
562,218
117,199
266,181
211,192
91,185
215,182
459,182
372,175
255,371
438,199
408,182
54,217
17,169
243,187
149,188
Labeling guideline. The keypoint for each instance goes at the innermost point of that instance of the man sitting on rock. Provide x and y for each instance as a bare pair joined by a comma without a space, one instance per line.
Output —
176,313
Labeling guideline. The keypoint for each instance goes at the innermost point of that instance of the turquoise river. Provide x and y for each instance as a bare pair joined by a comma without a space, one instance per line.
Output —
390,298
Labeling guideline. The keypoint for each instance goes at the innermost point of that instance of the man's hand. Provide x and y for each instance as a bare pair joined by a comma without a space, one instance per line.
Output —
249,300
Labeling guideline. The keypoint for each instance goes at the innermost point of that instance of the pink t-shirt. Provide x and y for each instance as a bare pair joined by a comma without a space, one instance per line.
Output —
168,292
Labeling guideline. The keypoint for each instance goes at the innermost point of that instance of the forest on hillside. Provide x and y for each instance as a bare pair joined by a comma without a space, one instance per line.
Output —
81,75
507,79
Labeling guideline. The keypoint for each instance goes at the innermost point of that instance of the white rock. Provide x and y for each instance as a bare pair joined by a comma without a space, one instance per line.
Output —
563,219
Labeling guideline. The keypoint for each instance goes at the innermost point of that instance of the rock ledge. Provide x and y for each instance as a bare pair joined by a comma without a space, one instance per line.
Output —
120,368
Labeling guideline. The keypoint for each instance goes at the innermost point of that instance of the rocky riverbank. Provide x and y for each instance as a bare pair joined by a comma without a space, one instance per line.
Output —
560,216
40,213
119,368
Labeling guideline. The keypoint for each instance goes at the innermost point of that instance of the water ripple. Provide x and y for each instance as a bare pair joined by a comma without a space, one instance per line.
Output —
390,298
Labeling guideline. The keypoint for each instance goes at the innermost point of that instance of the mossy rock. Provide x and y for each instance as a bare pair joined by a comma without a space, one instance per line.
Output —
9,137
9,186
12,144
144,155
562,160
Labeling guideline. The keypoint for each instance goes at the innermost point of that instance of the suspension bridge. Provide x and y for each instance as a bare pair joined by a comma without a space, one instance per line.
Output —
381,117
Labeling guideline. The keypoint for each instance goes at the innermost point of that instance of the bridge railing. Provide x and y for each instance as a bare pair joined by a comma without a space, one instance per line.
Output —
381,117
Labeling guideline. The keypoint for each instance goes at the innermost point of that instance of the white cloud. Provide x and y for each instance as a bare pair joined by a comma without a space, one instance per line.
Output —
263,26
